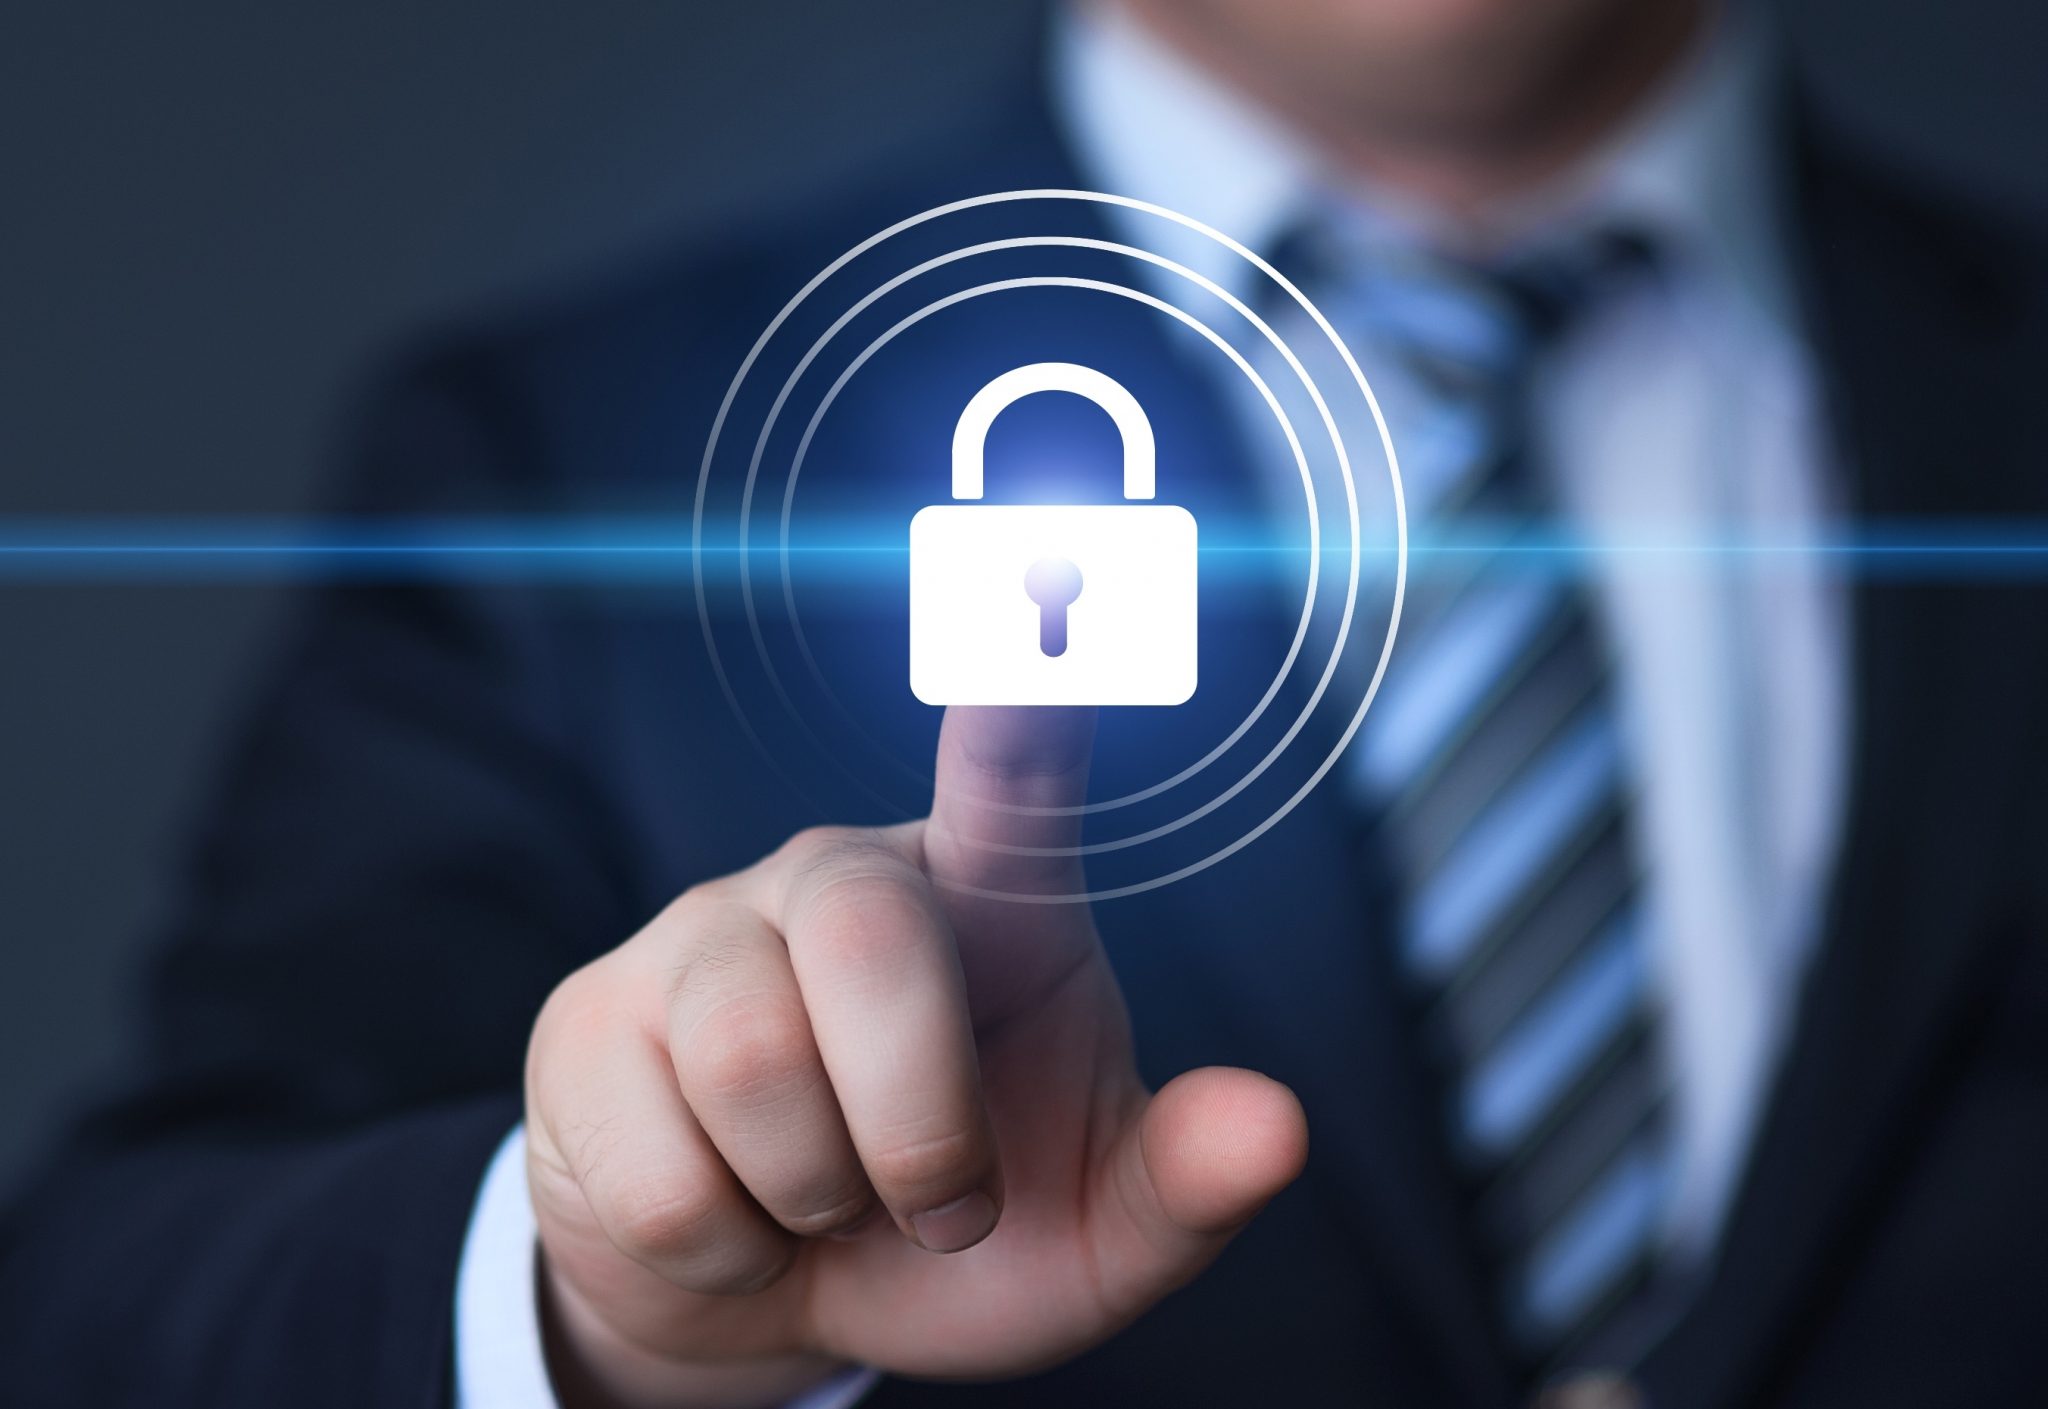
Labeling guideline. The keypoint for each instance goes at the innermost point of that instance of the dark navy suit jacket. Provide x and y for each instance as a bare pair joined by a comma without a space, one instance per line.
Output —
448,795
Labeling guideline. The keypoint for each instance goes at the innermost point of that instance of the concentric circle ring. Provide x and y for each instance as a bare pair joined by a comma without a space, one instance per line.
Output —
1222,344
1350,601
1329,761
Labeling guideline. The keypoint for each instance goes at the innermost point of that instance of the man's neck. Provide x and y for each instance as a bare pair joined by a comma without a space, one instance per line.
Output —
1464,164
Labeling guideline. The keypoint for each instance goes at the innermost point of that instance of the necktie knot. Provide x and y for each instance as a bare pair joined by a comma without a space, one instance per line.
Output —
1468,326
1549,292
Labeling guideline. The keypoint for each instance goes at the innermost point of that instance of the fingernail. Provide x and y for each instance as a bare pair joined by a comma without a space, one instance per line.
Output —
959,1224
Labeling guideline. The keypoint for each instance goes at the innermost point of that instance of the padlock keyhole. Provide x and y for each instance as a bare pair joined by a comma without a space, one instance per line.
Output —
1053,583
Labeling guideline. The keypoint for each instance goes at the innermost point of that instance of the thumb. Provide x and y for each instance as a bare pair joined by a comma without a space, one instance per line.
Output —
1207,1153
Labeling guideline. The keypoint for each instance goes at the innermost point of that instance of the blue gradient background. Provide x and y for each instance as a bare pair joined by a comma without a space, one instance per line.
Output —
217,212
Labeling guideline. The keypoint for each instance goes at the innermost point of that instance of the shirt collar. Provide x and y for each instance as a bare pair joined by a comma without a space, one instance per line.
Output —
1146,122
1693,169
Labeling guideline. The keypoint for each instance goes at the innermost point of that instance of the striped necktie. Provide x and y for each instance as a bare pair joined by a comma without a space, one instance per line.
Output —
1496,782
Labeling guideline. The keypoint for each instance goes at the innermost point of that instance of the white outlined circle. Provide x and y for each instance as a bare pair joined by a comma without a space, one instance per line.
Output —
1323,325
1100,246
1350,602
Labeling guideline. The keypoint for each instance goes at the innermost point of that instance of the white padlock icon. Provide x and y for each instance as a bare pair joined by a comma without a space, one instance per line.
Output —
1053,604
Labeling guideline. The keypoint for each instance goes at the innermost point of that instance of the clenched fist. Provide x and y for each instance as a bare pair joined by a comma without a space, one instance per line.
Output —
847,1107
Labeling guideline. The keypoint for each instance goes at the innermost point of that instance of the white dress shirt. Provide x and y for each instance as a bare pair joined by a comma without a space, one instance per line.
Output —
1681,424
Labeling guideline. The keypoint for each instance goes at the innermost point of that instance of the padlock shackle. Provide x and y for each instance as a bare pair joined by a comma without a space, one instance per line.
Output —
970,436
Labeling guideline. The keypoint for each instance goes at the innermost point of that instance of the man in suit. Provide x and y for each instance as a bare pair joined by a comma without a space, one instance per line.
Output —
1659,976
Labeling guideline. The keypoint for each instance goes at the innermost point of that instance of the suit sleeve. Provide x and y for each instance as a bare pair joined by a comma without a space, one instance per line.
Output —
407,851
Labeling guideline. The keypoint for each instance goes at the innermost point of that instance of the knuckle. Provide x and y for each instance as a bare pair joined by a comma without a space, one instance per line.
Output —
578,1008
935,1164
751,1050
688,912
740,1271
717,891
822,855
813,845
859,897
572,1004
855,939
662,1221
720,939
703,967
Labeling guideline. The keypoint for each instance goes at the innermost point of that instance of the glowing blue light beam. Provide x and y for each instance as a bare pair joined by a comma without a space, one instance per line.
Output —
657,548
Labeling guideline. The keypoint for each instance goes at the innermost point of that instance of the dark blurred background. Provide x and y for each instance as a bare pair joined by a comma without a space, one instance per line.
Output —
212,215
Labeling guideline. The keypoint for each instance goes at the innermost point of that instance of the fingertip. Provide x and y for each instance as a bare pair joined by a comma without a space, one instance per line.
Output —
1007,795
1020,741
1219,1143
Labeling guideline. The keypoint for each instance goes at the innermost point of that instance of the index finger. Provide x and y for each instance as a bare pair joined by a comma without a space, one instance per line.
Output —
1006,800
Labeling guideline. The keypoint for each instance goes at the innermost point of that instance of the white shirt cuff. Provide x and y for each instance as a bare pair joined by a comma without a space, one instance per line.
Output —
498,1359
499,1363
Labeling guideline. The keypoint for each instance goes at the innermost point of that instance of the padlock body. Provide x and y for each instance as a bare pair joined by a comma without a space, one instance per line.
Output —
974,629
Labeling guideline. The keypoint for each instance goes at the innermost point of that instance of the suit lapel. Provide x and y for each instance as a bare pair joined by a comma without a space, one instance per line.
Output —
1909,333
